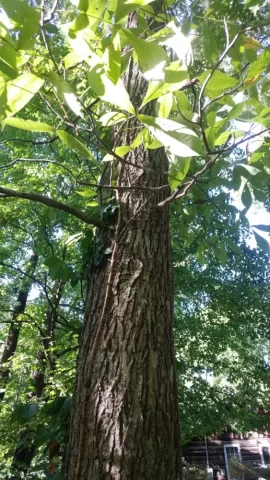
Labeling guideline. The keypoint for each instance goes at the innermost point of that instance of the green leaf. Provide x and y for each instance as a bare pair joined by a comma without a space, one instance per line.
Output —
221,253
258,66
234,247
209,43
8,55
247,171
20,91
164,105
218,83
24,19
83,5
223,137
104,88
54,407
200,254
112,118
182,101
152,57
246,197
236,111
175,137
262,243
264,228
123,150
259,194
23,413
71,142
266,86
71,59
87,193
140,138
51,28
94,10
178,42
141,3
147,140
7,70
255,157
210,133
66,273
174,79
56,267
80,23
113,59
65,408
211,118
66,94
74,238
30,125
179,168
123,9
181,365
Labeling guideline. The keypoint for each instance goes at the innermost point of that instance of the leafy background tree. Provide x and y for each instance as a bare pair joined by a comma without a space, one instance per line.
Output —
73,135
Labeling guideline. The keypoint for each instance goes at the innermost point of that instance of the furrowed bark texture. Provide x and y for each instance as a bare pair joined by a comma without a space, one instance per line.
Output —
124,420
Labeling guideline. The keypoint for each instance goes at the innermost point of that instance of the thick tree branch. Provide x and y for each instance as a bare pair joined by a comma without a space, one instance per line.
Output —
50,202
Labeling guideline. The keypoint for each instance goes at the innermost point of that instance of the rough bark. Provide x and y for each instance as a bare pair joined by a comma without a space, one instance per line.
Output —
124,420
14,328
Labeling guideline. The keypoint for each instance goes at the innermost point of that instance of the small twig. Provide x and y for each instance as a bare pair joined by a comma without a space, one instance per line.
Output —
39,160
51,108
79,182
189,84
67,350
205,141
208,197
194,98
223,95
185,187
245,139
209,76
25,274
39,142
41,23
182,115
108,149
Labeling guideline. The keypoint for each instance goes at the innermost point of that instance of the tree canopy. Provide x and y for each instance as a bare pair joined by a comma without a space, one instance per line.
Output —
68,118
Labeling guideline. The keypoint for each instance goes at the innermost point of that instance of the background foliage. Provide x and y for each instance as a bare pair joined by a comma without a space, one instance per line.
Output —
61,94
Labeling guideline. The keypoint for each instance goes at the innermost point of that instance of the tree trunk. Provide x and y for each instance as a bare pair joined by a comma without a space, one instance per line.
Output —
124,421
14,328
